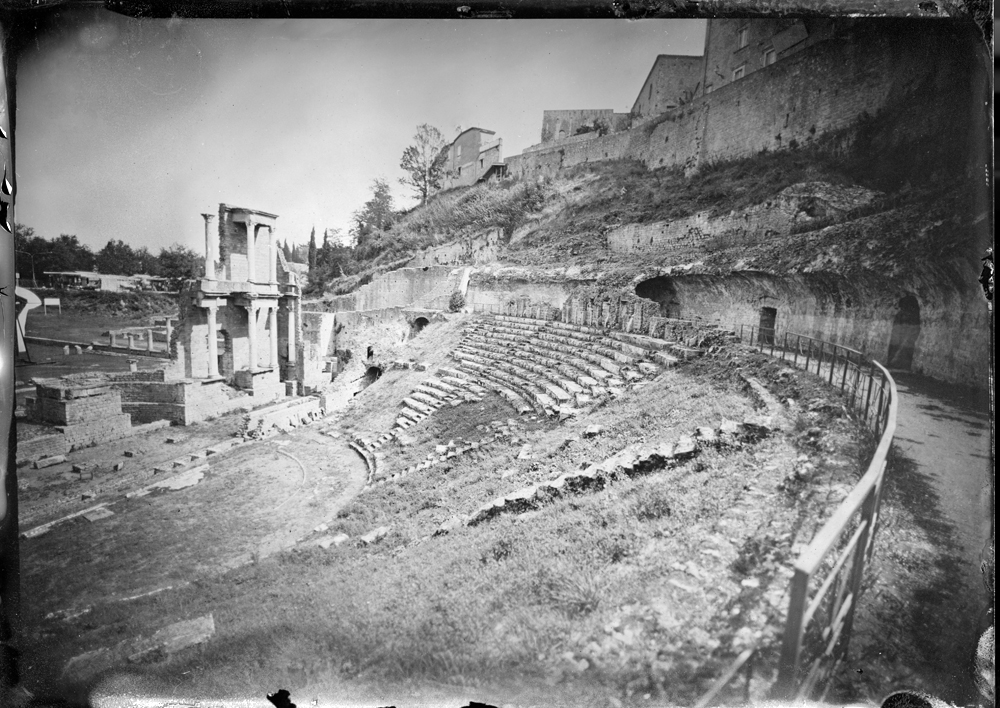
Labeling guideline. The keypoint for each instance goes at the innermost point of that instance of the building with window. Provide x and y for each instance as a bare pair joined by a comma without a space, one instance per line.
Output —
472,156
735,48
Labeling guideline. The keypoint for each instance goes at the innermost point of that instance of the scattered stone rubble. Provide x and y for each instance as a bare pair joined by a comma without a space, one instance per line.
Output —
633,460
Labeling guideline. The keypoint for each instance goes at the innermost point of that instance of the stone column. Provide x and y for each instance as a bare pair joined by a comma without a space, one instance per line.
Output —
213,344
149,340
251,256
210,249
291,331
272,316
272,264
170,330
252,335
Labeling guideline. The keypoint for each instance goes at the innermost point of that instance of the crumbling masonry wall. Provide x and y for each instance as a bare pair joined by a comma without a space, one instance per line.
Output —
427,286
833,86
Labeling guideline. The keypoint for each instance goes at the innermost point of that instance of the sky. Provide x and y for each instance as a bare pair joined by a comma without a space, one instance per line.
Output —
130,129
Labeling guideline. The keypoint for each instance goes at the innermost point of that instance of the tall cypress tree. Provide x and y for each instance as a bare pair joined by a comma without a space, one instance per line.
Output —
312,249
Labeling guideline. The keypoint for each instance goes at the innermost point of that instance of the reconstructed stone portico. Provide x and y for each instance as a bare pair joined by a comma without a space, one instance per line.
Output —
238,324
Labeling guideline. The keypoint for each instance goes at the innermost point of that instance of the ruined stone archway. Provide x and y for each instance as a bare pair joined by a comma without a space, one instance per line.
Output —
661,290
418,326
372,374
905,330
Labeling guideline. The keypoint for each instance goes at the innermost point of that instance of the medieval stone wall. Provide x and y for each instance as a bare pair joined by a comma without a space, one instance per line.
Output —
828,87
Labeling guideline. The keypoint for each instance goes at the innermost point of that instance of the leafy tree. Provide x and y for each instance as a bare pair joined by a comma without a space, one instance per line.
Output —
36,255
117,258
148,263
178,262
69,254
375,216
421,162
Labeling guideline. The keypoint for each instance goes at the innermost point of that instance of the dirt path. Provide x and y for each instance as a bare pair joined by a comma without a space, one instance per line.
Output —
918,623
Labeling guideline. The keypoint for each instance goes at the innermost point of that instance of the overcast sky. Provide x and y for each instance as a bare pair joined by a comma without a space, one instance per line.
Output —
130,129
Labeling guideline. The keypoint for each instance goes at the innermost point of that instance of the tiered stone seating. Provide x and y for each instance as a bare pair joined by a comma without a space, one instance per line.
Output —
448,388
557,367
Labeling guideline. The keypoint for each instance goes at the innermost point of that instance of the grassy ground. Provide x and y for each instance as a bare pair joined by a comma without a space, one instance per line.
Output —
631,594
250,504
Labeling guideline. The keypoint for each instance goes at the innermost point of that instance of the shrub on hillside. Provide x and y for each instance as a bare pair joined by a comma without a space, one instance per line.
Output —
457,301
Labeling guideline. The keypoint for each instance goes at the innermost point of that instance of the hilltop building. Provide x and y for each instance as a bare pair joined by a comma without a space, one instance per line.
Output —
473,156
734,49
673,81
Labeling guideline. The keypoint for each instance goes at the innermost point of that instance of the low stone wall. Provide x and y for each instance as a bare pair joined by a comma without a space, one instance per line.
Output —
288,414
107,428
146,412
43,446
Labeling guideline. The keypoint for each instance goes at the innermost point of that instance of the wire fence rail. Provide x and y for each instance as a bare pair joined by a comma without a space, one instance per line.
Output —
827,576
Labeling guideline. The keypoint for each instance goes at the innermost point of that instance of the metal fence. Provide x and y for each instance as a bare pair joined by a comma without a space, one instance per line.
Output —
828,575
827,579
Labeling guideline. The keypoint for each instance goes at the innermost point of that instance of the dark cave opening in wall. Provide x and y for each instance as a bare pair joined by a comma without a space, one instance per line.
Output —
372,374
768,318
905,330
661,290
418,326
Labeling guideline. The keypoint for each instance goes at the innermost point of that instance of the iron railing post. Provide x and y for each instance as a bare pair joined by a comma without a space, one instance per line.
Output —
868,393
791,646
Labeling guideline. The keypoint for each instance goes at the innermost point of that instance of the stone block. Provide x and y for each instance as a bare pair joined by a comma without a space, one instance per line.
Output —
98,514
685,448
49,461
450,525
374,536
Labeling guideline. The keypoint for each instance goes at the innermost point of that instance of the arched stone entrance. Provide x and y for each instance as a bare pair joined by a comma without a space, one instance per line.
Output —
905,330
418,326
372,374
662,290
